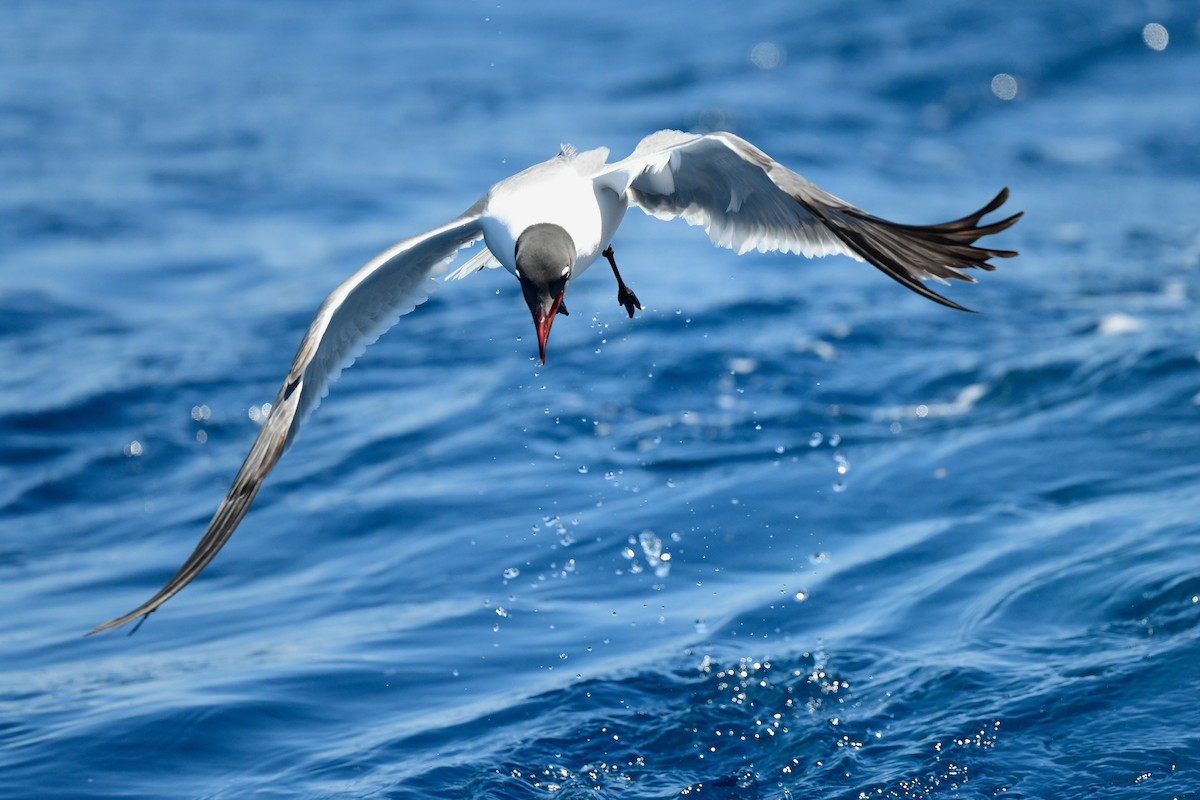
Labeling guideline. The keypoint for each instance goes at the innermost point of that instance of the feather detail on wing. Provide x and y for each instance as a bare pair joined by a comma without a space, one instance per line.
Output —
352,317
745,200
477,262
370,302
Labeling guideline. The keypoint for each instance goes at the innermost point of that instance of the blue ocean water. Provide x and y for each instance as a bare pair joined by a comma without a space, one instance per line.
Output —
791,532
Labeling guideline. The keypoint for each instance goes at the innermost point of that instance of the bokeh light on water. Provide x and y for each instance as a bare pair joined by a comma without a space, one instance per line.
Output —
1004,86
1155,36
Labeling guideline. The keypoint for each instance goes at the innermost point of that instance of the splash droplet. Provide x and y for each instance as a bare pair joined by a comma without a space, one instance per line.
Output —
1155,36
1004,86
767,55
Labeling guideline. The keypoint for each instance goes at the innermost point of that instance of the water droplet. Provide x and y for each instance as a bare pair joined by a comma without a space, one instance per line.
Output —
835,440
1155,36
742,366
767,55
816,439
134,449
259,414
651,544
1004,86
511,573
801,596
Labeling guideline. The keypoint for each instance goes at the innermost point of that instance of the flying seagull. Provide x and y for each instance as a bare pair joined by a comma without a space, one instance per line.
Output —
547,225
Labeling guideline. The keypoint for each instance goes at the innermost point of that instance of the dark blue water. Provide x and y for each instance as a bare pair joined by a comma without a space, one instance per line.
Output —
912,552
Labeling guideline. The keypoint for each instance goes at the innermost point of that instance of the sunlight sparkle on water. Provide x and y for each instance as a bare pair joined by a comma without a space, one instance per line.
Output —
651,546
1004,86
259,414
767,55
1155,36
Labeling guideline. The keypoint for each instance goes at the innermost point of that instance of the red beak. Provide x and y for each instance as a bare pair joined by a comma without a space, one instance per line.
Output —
542,321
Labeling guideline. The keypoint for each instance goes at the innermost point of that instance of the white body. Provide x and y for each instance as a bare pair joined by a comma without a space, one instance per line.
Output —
562,191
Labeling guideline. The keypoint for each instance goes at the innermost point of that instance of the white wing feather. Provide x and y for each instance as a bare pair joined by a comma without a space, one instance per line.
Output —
745,200
723,184
369,303
479,261
352,317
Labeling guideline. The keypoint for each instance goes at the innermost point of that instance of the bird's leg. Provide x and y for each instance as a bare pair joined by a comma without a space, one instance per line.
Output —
625,295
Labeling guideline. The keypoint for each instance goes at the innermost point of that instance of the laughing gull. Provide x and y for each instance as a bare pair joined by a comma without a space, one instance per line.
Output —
547,225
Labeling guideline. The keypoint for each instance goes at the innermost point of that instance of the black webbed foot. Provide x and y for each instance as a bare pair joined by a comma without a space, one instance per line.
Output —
625,295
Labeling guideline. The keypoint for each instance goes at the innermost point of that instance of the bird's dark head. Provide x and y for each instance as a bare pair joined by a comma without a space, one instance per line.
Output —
545,257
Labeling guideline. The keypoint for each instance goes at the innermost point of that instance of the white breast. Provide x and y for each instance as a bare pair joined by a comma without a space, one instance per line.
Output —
553,192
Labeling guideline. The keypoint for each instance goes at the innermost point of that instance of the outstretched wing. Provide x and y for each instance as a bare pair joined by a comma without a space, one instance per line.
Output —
745,200
352,317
